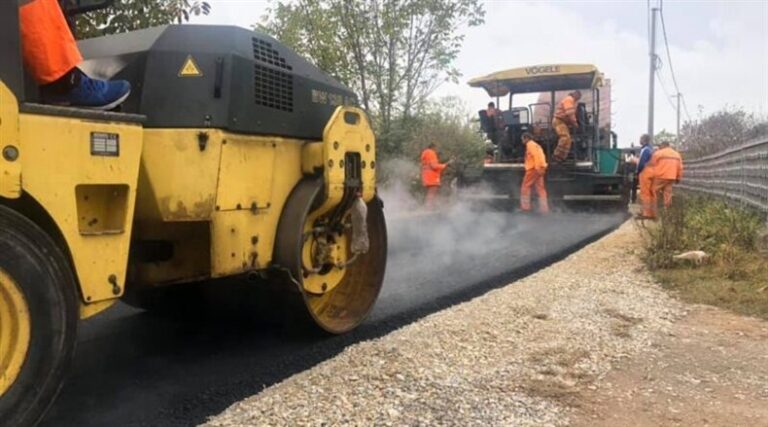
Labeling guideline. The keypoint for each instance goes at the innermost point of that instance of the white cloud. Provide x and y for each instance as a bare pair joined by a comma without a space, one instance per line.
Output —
242,13
728,65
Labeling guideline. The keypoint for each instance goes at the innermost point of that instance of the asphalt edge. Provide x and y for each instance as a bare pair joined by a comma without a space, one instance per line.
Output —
330,348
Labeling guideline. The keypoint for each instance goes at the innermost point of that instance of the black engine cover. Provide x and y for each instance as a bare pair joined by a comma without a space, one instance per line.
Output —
247,81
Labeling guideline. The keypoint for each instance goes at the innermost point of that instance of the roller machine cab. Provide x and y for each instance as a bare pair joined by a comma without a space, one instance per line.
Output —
251,145
262,145
232,158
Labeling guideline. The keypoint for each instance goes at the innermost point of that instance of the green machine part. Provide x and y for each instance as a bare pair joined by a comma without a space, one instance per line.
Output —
608,160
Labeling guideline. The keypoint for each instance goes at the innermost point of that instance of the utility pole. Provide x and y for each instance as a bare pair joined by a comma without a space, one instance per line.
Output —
652,73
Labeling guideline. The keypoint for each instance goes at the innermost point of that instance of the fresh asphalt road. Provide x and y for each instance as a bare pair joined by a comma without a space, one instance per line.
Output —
136,369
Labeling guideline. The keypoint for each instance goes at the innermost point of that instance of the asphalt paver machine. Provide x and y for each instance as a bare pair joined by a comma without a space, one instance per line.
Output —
593,173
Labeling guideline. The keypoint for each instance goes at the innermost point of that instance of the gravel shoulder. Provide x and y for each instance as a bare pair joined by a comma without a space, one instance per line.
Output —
520,355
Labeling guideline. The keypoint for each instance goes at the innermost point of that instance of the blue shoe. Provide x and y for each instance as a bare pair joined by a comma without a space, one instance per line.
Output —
91,93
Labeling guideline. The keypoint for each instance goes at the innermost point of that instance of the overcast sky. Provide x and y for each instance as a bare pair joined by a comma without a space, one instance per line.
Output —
719,50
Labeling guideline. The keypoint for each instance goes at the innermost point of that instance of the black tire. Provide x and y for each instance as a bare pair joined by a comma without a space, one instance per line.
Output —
43,275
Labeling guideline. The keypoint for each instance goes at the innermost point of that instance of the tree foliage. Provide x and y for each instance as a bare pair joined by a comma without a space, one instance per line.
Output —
445,122
129,15
393,53
721,130
664,136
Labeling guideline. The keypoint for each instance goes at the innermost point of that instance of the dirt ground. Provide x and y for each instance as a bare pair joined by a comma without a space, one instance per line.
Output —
710,370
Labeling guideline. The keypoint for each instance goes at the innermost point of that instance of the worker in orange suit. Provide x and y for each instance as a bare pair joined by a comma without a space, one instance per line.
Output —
535,170
431,170
645,179
667,167
565,118
51,57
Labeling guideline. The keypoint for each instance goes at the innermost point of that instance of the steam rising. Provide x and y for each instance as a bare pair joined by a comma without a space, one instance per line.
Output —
432,254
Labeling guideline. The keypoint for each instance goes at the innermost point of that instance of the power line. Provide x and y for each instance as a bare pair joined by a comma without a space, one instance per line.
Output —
669,57
685,108
664,89
669,61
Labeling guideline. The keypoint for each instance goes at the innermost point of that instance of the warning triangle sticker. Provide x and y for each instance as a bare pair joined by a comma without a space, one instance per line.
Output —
190,68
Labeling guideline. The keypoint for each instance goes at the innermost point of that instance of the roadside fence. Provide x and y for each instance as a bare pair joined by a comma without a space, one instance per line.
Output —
739,173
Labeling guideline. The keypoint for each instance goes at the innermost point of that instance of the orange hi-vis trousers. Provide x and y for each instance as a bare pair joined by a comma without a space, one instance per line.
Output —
430,197
535,180
564,140
663,186
647,195
47,44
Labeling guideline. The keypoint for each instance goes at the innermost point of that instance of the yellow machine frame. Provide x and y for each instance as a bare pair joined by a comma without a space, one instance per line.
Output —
216,195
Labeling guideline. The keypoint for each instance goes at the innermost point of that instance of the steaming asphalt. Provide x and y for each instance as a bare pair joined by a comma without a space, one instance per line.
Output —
135,369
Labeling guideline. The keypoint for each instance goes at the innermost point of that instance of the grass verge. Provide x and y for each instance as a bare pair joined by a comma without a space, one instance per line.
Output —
735,277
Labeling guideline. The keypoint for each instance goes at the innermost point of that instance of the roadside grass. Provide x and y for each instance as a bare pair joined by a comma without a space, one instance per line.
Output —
735,277
710,285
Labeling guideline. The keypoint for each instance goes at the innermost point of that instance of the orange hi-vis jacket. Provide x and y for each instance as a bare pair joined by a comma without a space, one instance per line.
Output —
534,157
431,168
566,110
666,163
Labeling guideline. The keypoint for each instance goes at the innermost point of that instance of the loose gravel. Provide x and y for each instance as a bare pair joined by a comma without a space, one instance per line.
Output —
511,357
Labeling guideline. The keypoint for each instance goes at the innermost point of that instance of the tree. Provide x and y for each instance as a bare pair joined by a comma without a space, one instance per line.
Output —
393,53
129,15
664,136
312,33
447,123
720,130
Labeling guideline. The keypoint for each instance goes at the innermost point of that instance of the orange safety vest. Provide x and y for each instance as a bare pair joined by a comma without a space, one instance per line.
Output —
667,163
566,110
534,156
431,168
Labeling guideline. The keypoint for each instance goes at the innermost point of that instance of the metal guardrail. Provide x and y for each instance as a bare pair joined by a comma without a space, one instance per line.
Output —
739,173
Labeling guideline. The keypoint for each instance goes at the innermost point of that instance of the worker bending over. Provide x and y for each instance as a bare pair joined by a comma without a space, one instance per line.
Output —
667,165
535,170
565,118
645,178
51,57
431,170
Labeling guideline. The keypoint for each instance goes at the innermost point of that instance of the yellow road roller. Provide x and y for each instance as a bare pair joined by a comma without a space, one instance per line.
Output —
232,157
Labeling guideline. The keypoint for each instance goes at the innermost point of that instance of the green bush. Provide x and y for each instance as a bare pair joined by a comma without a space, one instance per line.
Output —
446,122
734,278
724,231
